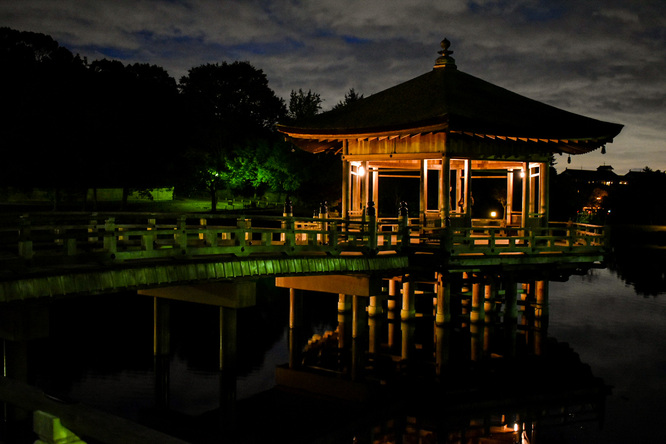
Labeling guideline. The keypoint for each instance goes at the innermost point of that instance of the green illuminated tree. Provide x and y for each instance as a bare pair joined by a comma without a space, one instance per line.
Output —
231,116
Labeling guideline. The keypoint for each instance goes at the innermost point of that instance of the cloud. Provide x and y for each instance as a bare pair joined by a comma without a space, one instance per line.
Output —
605,60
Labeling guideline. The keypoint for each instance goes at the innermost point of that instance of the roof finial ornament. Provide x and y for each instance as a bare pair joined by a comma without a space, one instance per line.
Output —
445,60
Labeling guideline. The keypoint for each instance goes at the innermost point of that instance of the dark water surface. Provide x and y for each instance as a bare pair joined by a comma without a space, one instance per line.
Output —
622,336
100,353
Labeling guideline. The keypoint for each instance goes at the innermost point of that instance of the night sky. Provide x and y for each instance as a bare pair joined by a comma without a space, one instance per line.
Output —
604,59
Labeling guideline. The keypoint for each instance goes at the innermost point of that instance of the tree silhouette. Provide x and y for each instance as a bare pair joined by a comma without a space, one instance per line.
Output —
231,116
303,105
350,97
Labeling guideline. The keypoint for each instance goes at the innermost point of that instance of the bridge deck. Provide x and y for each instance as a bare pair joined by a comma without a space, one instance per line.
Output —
40,253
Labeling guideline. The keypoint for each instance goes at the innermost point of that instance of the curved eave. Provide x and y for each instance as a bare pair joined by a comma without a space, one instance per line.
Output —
317,142
555,145
345,134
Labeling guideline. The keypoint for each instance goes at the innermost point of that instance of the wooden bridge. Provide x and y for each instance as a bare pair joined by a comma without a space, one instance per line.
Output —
49,254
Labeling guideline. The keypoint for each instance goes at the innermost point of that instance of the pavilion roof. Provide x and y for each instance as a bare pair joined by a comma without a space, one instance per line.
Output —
446,99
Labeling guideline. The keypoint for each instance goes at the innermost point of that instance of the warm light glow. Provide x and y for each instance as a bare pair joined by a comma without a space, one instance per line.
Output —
360,170
515,427
493,214
522,173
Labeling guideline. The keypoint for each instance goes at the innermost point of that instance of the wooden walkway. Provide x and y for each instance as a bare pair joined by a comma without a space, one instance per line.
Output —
50,254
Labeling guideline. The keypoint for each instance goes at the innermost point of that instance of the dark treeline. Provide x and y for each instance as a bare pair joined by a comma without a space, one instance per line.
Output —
68,123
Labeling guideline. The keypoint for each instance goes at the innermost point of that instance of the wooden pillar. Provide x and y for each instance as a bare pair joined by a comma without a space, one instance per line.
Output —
468,190
367,185
511,302
346,191
228,361
460,186
295,322
161,345
465,290
510,316
356,195
543,191
374,323
509,195
533,193
375,306
526,194
407,329
295,308
443,314
344,303
478,307
359,316
488,300
374,327
540,316
423,191
392,292
445,191
477,331
375,189
228,343
408,308
161,336
541,290
392,315
344,319
442,347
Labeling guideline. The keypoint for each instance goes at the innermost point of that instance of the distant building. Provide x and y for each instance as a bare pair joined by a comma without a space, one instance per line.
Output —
602,176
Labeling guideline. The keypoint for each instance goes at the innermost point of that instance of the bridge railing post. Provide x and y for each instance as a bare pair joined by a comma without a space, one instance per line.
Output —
372,226
242,234
148,239
290,232
323,226
25,240
287,213
571,239
403,224
110,239
333,234
93,229
181,234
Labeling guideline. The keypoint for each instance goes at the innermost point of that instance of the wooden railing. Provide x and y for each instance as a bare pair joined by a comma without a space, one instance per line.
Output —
555,238
39,238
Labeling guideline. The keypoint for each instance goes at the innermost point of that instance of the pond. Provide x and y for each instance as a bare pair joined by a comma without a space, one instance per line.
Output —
605,328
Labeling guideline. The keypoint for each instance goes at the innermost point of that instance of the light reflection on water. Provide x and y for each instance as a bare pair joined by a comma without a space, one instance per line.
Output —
103,347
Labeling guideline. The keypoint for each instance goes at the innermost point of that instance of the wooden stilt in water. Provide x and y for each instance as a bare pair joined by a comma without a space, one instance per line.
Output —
408,308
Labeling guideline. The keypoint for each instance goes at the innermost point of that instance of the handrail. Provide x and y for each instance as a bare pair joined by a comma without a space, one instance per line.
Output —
136,236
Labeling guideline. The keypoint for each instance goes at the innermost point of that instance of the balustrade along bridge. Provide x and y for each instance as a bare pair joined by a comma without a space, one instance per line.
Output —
53,254
445,193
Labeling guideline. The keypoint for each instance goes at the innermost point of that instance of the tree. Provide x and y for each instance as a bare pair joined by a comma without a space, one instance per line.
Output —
350,97
303,105
42,86
232,113
70,124
235,95
136,111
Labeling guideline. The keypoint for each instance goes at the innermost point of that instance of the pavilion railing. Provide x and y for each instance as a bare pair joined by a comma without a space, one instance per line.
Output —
97,237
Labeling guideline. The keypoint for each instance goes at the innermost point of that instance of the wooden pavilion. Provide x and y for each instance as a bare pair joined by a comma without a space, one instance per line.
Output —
454,132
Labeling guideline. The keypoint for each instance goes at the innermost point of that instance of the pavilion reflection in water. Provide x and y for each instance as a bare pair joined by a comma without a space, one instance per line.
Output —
454,346
495,379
